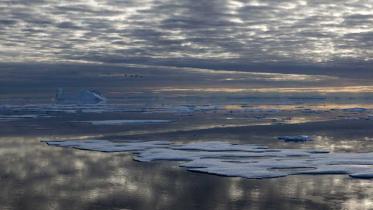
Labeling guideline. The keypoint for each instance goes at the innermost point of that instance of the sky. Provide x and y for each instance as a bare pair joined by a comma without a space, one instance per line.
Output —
201,33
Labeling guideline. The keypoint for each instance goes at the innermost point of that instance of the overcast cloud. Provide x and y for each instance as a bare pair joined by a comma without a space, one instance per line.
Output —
308,32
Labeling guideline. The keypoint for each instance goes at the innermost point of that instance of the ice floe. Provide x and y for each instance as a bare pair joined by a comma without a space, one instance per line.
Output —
226,159
300,138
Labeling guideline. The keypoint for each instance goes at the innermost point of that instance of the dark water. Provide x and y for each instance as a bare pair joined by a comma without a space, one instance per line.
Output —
35,176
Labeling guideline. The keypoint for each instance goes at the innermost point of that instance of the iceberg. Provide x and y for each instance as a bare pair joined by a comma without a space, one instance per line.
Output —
83,97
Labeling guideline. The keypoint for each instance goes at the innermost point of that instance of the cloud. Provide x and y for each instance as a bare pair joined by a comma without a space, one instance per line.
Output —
186,31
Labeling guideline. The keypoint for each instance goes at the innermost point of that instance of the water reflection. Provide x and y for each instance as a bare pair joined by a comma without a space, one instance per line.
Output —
35,176
320,90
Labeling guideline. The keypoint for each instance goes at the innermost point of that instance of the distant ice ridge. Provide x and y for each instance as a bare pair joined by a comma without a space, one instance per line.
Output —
300,138
236,160
14,117
125,122
83,97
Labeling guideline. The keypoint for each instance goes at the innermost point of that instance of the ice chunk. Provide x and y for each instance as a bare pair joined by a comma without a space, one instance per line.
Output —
300,138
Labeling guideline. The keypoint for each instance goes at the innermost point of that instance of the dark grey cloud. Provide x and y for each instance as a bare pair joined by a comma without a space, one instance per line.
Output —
188,32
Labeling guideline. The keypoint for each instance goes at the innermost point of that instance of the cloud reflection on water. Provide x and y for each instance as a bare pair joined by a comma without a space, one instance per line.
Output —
41,177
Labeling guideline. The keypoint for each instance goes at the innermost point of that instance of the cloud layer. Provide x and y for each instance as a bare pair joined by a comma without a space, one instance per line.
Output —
238,31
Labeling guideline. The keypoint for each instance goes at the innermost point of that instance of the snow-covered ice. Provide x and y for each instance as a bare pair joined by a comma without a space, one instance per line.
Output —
226,159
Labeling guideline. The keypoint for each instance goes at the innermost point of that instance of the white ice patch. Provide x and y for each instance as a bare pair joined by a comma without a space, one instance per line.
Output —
125,122
225,159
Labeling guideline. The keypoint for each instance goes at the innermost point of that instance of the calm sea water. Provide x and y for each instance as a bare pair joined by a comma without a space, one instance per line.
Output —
36,176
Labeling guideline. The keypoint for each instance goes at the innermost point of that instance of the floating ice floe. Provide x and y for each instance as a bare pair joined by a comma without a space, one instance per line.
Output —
225,159
124,122
300,138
